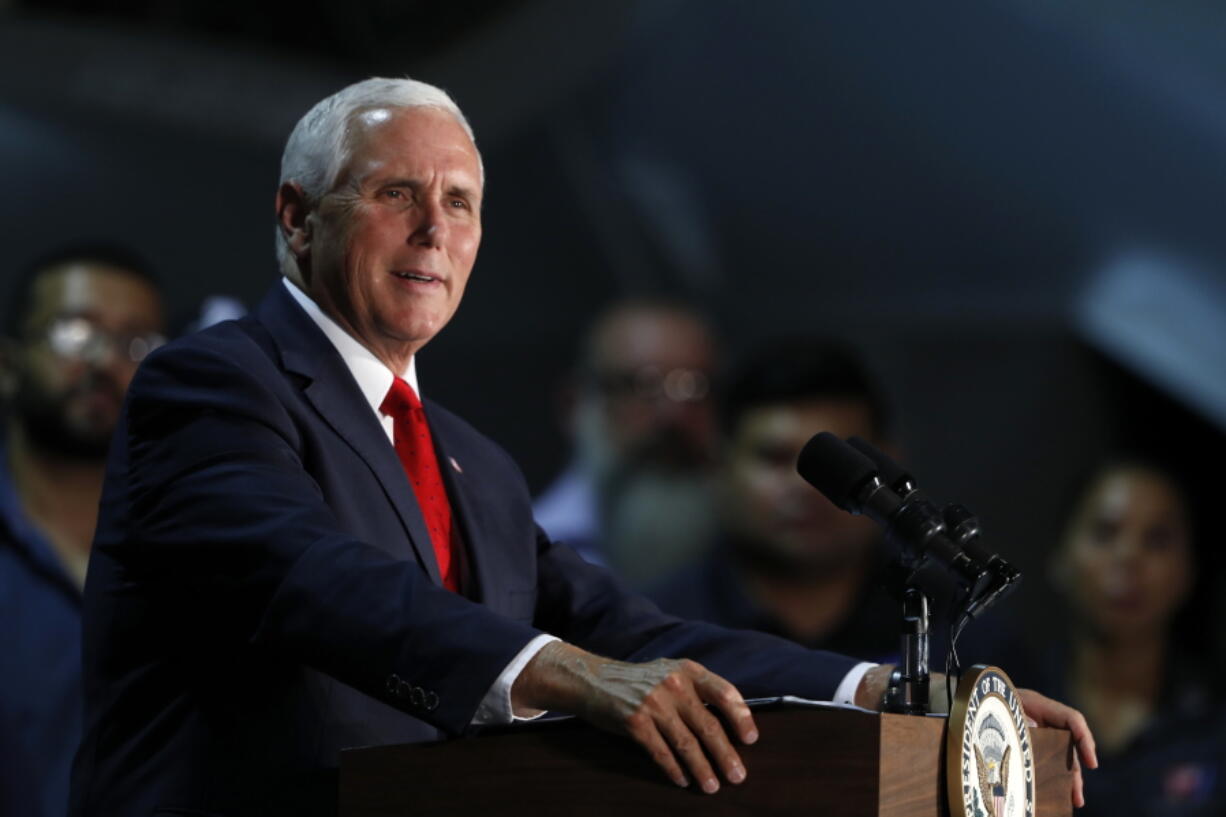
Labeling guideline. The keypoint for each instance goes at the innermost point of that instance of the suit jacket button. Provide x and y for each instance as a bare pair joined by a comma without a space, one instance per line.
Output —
431,701
417,697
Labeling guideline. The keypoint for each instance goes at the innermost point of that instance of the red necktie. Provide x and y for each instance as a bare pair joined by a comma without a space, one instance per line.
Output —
411,437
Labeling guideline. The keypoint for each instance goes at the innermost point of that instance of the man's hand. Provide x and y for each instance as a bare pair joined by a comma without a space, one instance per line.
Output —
1043,711
660,704
870,694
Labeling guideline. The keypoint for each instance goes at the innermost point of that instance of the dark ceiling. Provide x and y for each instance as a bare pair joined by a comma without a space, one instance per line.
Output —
376,35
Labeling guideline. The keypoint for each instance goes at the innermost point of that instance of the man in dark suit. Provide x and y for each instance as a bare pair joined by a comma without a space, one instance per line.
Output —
292,557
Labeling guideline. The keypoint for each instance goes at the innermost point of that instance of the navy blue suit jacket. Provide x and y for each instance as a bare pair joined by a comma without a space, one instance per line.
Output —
262,590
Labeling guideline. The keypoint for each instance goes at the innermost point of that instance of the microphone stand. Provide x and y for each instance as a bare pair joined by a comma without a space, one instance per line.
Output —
907,693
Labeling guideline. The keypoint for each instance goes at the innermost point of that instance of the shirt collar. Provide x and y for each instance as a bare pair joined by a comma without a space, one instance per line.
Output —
373,377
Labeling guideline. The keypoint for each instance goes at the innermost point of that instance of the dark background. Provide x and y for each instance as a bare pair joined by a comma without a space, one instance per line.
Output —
1013,206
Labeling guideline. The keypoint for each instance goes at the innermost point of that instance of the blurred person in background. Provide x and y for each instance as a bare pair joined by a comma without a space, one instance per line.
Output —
80,320
637,495
786,560
1134,659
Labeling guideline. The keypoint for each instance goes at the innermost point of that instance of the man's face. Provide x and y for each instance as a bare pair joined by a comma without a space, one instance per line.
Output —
68,403
649,405
769,507
392,245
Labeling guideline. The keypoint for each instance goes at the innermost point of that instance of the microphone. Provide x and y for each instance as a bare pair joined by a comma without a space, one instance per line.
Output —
854,483
961,525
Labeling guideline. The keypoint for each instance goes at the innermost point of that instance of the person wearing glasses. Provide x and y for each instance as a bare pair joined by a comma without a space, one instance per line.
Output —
637,495
79,321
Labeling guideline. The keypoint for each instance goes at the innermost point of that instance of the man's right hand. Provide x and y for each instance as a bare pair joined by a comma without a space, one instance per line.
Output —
660,704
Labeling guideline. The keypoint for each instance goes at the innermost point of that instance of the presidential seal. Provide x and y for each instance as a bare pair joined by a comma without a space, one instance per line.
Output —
988,758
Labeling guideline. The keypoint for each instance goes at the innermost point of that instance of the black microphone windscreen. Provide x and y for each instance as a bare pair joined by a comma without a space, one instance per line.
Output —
892,473
834,468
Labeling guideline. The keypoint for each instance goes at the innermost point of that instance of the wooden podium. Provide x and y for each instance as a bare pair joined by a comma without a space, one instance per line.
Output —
809,760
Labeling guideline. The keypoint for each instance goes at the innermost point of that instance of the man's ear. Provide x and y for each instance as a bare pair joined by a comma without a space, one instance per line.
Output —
292,211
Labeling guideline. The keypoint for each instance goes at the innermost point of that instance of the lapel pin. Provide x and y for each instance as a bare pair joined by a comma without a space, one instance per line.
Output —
456,465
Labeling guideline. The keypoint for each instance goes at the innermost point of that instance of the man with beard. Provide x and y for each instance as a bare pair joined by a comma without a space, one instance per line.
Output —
79,322
637,495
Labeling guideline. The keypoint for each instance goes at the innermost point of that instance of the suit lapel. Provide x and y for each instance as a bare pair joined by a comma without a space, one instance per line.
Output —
331,390
463,508
485,558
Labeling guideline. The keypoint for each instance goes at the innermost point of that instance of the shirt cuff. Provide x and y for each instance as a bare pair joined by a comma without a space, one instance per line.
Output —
845,695
495,707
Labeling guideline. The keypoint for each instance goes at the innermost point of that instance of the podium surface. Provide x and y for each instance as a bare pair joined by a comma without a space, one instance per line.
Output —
808,761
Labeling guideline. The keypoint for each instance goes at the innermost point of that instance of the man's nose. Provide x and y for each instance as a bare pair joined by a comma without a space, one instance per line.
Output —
430,229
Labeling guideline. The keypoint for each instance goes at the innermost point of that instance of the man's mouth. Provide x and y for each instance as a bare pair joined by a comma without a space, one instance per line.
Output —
416,276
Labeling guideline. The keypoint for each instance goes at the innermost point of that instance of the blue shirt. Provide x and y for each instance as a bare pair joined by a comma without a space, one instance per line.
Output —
40,666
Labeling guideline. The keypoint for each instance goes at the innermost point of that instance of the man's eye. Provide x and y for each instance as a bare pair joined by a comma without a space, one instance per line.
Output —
459,204
395,194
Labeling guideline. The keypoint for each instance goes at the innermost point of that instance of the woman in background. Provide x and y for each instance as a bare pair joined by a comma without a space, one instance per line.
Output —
1135,663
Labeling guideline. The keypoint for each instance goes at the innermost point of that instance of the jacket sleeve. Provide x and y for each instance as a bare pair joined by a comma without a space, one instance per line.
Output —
585,604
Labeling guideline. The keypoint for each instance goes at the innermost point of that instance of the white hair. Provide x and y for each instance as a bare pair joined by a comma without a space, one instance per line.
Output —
319,145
